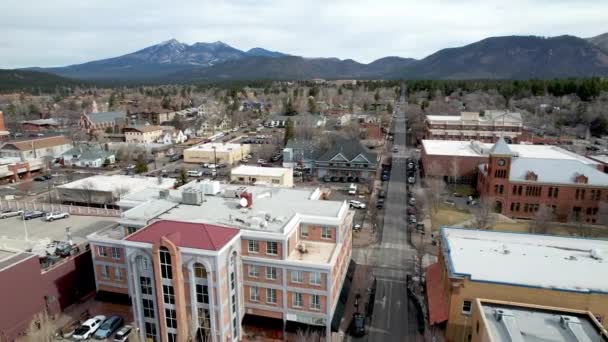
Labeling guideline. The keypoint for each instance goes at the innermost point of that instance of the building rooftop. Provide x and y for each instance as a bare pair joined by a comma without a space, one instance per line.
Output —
186,234
556,171
316,252
37,143
507,322
106,116
349,149
560,263
123,183
219,147
272,208
488,116
602,158
144,128
41,122
249,170
480,149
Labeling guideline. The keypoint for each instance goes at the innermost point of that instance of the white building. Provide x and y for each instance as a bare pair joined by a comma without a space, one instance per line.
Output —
272,176
38,148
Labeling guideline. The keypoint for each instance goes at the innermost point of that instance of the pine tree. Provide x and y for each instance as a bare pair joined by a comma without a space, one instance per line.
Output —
289,131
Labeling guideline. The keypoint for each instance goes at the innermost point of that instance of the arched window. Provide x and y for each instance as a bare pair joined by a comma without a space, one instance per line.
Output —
200,271
165,263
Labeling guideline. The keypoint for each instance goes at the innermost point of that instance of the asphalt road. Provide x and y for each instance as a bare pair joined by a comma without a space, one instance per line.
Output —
393,318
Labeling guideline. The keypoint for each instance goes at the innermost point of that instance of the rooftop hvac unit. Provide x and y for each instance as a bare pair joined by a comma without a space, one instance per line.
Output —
192,197
210,187
163,194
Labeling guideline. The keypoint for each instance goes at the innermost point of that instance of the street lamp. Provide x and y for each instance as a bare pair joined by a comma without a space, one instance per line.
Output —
214,160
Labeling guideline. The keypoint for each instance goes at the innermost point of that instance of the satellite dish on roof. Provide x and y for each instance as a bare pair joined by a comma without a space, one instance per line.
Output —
243,202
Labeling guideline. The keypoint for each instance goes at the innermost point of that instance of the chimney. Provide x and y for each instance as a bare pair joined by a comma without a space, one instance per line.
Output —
2,126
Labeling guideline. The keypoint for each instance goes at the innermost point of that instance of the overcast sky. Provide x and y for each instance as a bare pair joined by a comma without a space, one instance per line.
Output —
63,32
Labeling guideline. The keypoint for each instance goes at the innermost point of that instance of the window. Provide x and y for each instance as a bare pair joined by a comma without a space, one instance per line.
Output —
580,194
272,248
150,329
304,231
271,296
105,272
296,276
117,273
168,294
466,307
315,302
253,271
115,253
276,181
326,233
297,300
143,264
148,308
171,337
315,278
232,280
200,271
254,294
171,318
165,263
271,273
146,285
202,294
101,250
596,194
254,246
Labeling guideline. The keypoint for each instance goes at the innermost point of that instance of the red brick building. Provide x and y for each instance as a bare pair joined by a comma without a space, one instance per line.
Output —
521,186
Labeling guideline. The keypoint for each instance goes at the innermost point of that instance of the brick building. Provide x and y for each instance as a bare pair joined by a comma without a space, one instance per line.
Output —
239,253
487,126
513,267
520,186
458,161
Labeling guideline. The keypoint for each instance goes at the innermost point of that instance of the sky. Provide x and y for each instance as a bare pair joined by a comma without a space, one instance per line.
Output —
63,32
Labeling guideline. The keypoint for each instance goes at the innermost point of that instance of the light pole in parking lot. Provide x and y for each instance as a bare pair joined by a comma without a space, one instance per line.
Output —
214,160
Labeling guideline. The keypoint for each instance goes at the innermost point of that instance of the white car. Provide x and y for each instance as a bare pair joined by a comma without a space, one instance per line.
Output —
88,328
261,161
10,213
195,173
56,216
357,204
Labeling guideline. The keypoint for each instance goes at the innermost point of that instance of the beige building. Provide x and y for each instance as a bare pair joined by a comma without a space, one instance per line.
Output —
52,147
143,134
216,152
514,267
274,176
487,126
498,321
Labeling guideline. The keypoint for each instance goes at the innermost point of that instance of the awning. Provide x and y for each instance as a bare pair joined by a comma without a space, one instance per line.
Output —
437,298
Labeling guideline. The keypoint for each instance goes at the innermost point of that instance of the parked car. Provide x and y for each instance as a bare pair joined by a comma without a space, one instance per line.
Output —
326,179
175,157
385,177
395,150
411,180
450,202
88,328
108,327
382,194
356,204
379,205
412,201
357,327
40,179
352,190
411,210
122,335
411,219
261,161
28,215
10,213
195,173
56,216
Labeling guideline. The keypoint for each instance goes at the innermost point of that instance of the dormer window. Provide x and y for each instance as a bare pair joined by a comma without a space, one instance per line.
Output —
531,176
581,179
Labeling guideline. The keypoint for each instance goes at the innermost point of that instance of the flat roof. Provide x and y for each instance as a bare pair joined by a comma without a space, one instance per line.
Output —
551,262
465,148
602,158
271,211
113,183
249,170
219,147
316,252
518,322
40,232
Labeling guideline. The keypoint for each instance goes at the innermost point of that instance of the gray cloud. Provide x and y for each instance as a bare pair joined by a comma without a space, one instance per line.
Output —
63,32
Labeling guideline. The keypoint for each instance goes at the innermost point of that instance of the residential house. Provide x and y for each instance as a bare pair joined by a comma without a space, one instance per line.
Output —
172,136
88,156
300,154
142,134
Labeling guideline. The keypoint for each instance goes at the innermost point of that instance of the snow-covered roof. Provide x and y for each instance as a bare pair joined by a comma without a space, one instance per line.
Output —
443,117
557,171
248,170
552,262
480,149
112,183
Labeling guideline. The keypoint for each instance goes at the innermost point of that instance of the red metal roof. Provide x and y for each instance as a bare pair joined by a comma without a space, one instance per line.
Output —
437,298
186,234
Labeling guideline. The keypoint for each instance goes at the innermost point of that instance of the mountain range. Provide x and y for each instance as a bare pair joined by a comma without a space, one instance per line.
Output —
508,57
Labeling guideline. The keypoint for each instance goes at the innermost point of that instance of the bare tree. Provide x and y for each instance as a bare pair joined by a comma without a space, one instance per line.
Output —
483,213
435,187
540,223
120,191
87,191
41,328
352,130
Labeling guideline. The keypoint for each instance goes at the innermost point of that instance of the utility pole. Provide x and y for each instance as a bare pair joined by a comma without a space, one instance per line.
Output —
214,161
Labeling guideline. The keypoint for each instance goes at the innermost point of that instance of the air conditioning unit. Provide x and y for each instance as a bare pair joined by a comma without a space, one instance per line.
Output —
302,248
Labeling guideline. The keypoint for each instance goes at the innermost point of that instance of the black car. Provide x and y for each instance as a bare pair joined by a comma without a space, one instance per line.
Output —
28,215
40,179
326,179
357,327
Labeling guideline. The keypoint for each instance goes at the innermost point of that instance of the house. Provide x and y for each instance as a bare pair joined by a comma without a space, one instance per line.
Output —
4,134
228,255
540,270
103,120
29,149
300,154
88,156
487,126
142,134
172,136
255,106
302,119
346,158
41,125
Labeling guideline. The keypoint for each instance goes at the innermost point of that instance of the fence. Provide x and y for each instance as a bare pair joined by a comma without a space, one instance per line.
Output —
48,207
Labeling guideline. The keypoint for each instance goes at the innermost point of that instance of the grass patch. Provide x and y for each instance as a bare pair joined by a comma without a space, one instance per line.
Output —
448,215
463,189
